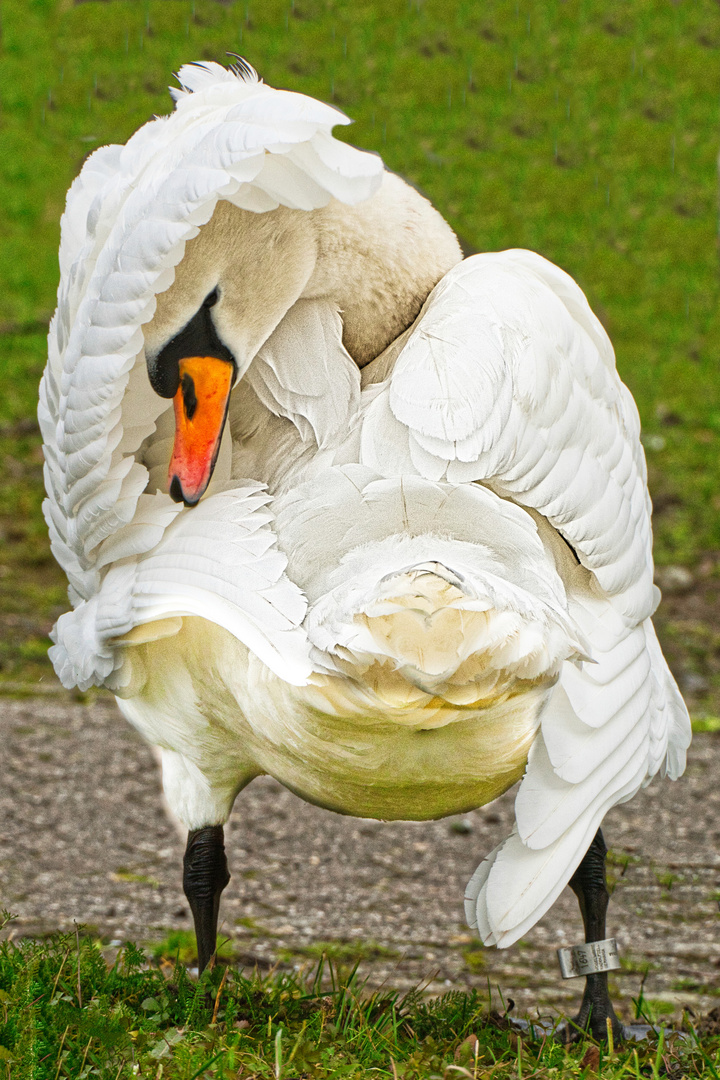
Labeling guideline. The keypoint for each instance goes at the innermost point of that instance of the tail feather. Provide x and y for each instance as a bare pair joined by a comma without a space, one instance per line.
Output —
519,885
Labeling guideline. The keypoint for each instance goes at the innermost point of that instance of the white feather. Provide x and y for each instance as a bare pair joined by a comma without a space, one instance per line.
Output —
220,563
320,396
508,379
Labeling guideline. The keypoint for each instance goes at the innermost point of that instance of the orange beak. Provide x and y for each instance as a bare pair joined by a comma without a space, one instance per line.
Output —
201,405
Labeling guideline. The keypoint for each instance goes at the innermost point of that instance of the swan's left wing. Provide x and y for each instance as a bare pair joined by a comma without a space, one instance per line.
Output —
508,379
609,727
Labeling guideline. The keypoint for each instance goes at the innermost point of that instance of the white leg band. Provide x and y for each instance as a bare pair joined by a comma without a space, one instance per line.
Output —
589,958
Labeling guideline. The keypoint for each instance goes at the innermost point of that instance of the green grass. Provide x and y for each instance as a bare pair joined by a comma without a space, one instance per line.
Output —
706,723
65,1012
181,946
583,129
474,957
345,954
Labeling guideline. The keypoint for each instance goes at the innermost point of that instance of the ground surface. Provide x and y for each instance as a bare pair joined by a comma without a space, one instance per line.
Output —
84,837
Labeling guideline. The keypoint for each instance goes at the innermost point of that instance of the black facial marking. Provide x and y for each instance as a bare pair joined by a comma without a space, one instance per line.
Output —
189,398
198,338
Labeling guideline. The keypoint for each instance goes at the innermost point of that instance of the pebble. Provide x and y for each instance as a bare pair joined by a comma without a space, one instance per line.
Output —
674,580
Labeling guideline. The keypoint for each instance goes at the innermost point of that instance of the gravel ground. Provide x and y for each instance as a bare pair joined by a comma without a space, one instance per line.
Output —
84,838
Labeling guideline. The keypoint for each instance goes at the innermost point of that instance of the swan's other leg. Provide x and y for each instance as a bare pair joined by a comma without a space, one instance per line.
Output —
590,886
205,875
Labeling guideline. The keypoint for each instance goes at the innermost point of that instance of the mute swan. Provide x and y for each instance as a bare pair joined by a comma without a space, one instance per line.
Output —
341,508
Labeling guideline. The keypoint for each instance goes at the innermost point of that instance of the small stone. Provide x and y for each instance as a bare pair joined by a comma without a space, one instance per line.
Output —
591,1059
692,683
467,1048
673,580
461,827
667,416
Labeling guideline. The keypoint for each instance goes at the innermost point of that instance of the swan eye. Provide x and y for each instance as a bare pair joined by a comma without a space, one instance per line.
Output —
212,298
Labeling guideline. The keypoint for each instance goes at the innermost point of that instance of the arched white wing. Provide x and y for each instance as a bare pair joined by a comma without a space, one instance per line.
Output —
127,220
508,379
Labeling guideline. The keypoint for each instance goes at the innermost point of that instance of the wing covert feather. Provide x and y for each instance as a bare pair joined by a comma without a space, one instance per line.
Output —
304,373
508,379
221,563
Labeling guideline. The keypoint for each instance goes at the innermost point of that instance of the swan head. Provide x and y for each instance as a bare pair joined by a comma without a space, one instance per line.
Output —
238,278
376,261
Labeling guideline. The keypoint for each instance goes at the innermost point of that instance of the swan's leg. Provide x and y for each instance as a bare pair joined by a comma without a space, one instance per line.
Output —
205,875
590,886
